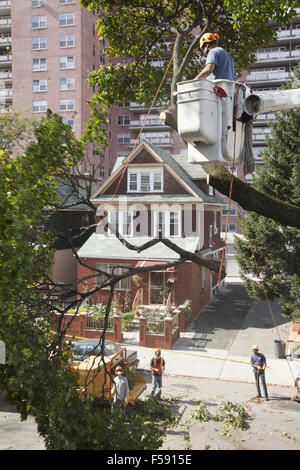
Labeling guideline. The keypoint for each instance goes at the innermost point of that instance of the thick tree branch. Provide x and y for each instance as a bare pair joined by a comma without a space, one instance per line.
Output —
185,255
253,200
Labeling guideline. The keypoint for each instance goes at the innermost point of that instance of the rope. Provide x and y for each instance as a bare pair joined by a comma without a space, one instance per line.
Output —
142,128
230,193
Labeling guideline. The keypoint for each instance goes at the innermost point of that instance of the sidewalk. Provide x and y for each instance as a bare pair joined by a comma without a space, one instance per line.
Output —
218,344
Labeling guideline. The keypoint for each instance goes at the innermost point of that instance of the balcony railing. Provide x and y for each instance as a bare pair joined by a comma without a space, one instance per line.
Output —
5,92
149,123
162,141
5,39
5,4
5,22
266,76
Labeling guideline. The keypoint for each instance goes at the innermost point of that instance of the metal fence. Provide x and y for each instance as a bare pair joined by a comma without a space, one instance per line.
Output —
98,323
155,327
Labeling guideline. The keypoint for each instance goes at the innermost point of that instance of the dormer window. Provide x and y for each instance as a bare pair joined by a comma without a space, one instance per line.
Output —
142,180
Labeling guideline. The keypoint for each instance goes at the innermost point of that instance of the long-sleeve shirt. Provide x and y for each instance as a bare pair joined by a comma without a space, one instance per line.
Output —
258,359
121,388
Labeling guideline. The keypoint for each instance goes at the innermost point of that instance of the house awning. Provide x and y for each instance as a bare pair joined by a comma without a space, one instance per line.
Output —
294,336
143,264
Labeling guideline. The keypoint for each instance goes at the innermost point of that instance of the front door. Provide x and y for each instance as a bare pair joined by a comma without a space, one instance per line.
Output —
156,283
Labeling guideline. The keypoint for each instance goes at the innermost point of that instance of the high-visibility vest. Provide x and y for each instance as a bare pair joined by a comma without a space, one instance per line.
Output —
158,365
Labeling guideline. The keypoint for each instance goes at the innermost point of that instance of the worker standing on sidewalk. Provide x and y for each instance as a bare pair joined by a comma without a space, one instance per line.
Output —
157,366
121,387
259,364
219,63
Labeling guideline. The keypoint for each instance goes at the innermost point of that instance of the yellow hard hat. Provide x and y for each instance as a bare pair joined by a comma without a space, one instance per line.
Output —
208,37
255,347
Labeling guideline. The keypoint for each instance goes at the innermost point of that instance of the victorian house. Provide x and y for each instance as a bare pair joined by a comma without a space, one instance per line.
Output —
151,192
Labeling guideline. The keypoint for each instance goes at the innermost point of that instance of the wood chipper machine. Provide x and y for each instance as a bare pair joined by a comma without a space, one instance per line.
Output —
95,376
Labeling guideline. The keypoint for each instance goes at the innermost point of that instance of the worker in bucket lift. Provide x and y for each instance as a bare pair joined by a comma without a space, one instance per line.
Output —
219,63
259,364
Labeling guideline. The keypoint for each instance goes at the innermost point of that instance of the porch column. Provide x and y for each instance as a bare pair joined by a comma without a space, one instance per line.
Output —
168,332
143,331
117,328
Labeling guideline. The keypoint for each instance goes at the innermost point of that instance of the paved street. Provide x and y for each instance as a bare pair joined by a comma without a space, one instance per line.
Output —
216,347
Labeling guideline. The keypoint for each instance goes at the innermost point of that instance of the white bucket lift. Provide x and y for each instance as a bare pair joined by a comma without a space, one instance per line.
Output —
212,125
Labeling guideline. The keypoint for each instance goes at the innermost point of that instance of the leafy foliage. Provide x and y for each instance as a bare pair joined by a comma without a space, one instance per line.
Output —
145,29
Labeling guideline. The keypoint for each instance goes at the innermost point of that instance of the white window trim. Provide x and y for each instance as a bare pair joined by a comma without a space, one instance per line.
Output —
108,268
120,223
39,85
66,62
138,172
61,15
39,16
66,88
41,3
39,48
167,223
39,106
67,101
39,62
66,46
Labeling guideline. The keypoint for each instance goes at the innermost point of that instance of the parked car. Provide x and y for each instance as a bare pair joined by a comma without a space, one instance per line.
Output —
91,347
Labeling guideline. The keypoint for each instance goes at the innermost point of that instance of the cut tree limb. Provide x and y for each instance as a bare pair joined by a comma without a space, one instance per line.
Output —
250,199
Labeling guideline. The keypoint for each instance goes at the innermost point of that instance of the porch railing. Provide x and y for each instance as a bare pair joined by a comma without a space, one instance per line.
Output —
138,299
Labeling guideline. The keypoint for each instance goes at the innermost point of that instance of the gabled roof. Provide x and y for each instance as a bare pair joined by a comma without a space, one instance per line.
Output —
178,166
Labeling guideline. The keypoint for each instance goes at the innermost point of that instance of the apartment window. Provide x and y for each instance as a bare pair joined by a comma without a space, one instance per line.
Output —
39,65
211,239
39,106
122,222
231,228
38,3
123,284
102,172
66,19
39,85
66,40
123,105
124,120
141,180
202,279
123,154
168,223
66,62
69,122
67,105
232,210
123,138
67,83
66,2
39,22
39,44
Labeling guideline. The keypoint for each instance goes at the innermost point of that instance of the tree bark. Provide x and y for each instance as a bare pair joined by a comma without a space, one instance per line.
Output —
253,200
